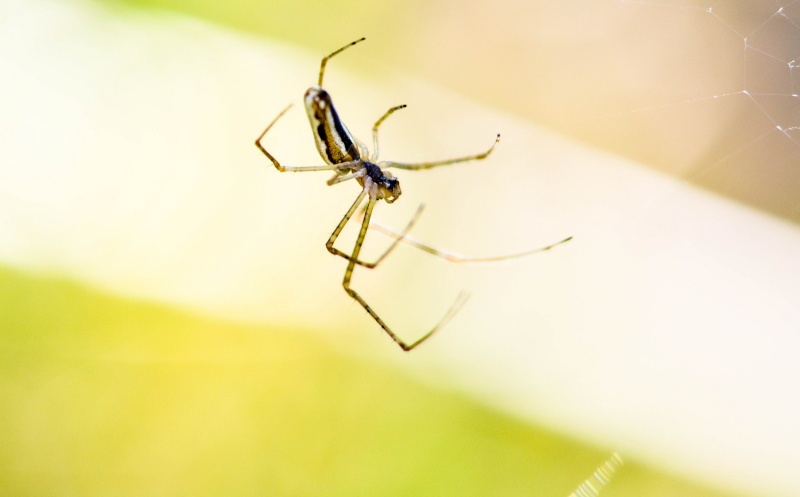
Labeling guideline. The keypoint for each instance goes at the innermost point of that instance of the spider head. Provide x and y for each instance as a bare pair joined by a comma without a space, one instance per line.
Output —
380,184
390,188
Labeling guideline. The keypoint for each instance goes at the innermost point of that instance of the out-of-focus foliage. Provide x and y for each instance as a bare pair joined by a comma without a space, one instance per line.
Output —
312,23
102,396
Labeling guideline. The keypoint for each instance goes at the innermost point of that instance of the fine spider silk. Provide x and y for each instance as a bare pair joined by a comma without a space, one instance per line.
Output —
350,159
600,478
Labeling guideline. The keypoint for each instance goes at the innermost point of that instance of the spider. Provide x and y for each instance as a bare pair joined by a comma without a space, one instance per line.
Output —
350,159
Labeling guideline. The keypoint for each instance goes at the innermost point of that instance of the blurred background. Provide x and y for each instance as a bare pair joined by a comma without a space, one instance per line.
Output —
172,324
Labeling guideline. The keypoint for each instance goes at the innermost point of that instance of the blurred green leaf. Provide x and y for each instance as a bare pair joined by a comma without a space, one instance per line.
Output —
312,23
104,396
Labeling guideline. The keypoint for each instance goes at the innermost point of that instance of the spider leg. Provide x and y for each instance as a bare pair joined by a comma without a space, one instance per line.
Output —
462,297
348,215
455,257
374,156
339,178
429,165
325,59
279,167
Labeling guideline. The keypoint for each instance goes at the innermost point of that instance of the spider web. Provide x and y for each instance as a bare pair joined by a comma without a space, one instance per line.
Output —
711,97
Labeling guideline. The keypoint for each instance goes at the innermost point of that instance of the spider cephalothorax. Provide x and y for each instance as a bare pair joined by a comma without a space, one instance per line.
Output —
379,184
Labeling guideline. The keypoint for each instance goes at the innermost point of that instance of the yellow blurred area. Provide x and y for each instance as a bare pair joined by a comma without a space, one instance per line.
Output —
699,90
101,396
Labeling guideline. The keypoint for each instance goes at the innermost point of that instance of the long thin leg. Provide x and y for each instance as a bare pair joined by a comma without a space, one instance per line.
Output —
429,165
462,297
374,155
348,215
339,178
325,60
452,256
279,167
